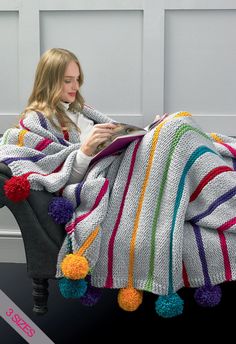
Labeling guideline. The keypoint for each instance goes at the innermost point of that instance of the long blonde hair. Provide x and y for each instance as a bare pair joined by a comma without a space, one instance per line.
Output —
47,87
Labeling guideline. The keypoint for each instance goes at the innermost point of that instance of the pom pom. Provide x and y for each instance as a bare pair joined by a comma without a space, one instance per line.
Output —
129,299
74,266
169,306
60,209
208,296
91,297
17,188
72,289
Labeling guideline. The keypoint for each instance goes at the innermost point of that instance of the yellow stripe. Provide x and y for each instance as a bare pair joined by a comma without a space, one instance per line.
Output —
88,242
216,137
143,189
21,136
183,114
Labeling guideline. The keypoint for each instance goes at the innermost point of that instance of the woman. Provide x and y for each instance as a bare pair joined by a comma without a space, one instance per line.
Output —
56,93
158,217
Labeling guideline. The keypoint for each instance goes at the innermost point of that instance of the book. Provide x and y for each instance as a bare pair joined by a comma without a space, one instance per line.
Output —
123,135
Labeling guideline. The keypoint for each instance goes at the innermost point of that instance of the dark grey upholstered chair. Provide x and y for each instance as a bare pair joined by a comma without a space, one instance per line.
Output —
42,238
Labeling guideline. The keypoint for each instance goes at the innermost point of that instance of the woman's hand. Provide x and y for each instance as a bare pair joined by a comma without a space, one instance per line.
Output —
99,133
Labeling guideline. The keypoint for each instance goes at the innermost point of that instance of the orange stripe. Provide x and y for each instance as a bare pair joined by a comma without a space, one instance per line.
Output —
88,242
216,137
143,189
21,137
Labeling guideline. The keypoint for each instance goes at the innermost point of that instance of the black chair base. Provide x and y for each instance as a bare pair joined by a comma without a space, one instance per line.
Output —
40,295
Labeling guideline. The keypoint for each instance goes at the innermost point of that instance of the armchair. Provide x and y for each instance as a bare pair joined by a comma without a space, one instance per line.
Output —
42,238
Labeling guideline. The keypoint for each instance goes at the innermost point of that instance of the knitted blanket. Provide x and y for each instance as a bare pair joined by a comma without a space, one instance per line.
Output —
157,217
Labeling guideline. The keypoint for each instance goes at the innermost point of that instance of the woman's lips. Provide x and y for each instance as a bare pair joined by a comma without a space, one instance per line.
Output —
72,94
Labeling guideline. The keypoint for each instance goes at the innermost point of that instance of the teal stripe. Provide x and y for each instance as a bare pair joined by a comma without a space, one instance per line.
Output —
178,135
194,156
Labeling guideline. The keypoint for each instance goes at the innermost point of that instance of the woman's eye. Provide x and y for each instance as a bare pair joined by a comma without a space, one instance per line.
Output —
67,81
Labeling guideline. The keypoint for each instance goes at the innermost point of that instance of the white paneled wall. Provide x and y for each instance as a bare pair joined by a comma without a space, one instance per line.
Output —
140,57
9,57
109,45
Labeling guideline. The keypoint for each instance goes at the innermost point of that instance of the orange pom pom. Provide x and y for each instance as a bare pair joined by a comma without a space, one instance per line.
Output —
74,267
129,299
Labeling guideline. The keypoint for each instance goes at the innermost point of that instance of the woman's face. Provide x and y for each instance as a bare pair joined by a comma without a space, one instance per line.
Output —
70,84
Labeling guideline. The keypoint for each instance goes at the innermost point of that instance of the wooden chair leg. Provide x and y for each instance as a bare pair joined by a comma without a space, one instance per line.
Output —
40,295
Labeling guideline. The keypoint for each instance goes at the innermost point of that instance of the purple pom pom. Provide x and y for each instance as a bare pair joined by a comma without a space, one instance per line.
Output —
208,296
91,297
60,209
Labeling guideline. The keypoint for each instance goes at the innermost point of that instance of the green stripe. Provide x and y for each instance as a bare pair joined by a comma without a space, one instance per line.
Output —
5,136
178,135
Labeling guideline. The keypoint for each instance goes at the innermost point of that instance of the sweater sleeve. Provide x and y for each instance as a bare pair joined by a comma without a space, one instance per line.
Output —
79,168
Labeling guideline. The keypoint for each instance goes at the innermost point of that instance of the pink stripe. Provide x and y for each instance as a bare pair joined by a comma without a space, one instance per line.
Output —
43,144
90,107
223,244
227,225
231,149
22,125
109,280
70,228
57,169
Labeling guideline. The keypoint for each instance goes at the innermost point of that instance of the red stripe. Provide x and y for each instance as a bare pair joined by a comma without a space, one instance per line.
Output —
227,225
223,244
57,169
109,280
65,134
185,276
43,144
212,174
230,148
22,125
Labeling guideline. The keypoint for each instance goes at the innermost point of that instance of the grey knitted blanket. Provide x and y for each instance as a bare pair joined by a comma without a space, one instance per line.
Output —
162,214
157,217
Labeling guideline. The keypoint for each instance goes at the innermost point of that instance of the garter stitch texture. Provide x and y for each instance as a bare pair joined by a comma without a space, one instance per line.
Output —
158,217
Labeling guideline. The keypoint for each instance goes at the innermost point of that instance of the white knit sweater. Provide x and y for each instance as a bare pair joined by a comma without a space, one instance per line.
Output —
82,160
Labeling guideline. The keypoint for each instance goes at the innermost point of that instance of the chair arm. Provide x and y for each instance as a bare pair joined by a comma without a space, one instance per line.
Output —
42,237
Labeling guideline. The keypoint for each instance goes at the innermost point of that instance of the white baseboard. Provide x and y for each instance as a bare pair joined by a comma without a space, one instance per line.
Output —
11,247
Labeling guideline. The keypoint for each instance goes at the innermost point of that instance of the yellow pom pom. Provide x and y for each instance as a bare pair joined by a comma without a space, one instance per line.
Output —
129,299
74,266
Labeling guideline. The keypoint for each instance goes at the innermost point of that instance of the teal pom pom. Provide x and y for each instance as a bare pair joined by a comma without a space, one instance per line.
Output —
72,288
169,306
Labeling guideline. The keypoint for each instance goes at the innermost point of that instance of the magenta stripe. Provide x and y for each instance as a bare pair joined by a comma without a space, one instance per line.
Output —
22,125
70,228
230,148
43,144
227,225
223,244
109,280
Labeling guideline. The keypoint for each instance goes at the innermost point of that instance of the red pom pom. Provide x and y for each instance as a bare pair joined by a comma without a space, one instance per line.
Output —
17,188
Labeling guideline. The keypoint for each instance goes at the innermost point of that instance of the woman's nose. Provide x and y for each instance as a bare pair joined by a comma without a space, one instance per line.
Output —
75,85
